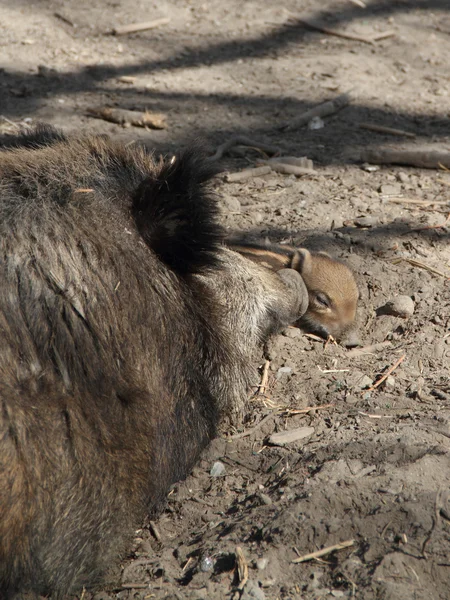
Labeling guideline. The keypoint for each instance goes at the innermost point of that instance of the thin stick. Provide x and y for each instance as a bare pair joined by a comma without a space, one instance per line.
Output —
388,130
265,376
332,370
134,27
426,159
420,265
375,416
240,140
386,375
322,110
324,551
383,35
359,3
301,411
418,202
242,567
429,227
247,432
64,19
314,337
335,32
368,349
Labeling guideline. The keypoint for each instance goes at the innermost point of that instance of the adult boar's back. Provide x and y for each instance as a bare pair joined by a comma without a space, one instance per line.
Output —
125,334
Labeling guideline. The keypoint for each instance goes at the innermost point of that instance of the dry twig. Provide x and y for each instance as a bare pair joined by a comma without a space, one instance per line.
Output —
324,551
335,32
123,116
388,130
420,265
247,432
242,567
144,26
265,377
386,375
322,110
426,159
307,409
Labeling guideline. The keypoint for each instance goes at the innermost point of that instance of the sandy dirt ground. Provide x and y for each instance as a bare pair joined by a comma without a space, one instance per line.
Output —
375,467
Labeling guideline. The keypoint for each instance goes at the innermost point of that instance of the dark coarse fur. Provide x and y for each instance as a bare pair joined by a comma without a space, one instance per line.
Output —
116,360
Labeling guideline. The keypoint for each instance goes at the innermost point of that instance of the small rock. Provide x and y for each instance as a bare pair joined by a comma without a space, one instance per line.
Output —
292,332
403,177
206,564
389,382
338,593
366,221
365,382
218,469
265,498
390,189
283,372
293,435
252,591
401,306
231,204
262,563
316,123
370,168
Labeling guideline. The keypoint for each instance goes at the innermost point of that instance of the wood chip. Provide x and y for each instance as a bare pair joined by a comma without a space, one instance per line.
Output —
125,117
242,567
425,158
240,176
293,435
135,27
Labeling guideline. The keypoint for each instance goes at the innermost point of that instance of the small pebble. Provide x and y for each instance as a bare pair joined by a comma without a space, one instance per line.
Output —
389,382
206,564
366,221
262,563
370,168
231,204
390,189
401,306
283,372
292,332
218,469
316,123
265,498
365,382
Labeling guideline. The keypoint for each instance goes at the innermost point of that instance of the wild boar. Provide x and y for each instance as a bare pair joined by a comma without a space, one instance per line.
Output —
126,329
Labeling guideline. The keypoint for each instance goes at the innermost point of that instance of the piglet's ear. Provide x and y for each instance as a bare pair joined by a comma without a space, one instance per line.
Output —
301,261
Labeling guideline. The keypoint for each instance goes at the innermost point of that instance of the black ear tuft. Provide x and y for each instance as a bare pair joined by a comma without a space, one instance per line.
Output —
177,215
38,137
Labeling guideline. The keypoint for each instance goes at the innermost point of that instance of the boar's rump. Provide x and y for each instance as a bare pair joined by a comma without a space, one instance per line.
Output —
125,335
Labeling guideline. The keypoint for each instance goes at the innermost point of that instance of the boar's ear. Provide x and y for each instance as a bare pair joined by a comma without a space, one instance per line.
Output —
177,216
301,261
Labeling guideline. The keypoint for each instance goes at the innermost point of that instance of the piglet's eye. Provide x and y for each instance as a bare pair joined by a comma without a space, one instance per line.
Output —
323,300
